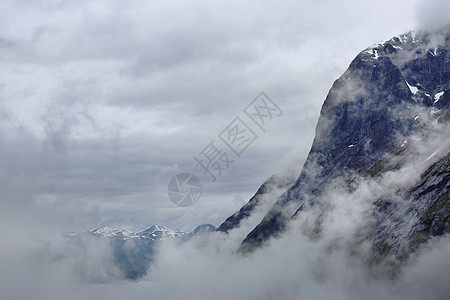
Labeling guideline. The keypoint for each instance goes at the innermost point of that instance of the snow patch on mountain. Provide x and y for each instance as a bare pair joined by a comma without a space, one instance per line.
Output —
413,89
438,96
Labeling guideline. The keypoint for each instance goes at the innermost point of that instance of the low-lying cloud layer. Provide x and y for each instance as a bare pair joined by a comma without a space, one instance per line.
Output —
293,266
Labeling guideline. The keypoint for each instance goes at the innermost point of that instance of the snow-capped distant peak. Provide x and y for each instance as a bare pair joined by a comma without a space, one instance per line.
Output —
157,228
163,232
110,232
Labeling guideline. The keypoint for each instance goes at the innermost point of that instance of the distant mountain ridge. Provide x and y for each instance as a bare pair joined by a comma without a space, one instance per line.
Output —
133,253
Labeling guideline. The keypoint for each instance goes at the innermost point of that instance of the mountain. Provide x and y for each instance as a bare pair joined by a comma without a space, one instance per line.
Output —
203,229
275,182
132,253
383,135
157,232
371,123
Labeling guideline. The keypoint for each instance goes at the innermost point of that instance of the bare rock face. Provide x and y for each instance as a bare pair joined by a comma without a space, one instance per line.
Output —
390,91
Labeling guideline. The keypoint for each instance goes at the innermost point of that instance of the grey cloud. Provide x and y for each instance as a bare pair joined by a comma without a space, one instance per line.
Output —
130,93
432,15
103,102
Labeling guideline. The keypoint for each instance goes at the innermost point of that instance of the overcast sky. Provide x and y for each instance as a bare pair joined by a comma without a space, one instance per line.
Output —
102,102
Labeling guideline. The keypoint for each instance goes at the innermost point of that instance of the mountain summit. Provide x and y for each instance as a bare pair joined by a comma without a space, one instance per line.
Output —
374,116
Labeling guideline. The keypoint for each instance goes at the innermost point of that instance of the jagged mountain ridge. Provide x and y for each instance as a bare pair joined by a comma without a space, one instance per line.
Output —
132,252
367,115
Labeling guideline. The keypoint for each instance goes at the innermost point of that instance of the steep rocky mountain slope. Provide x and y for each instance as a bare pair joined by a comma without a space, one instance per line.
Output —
275,182
388,102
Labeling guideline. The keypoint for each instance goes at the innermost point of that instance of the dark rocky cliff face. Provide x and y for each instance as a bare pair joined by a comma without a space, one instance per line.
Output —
274,182
389,92
423,211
